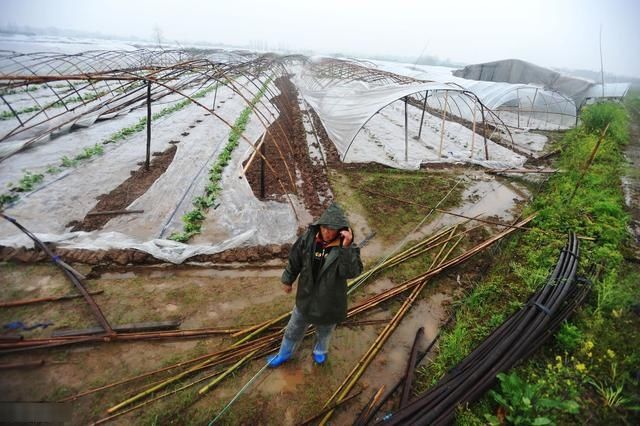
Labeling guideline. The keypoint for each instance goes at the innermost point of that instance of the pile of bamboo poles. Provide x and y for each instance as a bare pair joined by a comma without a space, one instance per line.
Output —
218,365
382,338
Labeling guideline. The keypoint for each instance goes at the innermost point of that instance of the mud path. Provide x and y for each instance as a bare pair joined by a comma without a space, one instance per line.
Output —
631,183
287,136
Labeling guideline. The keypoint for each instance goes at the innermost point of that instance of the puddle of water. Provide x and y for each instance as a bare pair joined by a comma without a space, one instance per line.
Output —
117,275
379,285
390,363
283,380
375,247
485,197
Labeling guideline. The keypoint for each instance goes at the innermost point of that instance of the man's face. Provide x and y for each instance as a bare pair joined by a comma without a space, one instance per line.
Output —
328,234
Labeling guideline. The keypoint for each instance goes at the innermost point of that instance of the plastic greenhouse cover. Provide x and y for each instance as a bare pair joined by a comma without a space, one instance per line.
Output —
240,220
345,108
493,94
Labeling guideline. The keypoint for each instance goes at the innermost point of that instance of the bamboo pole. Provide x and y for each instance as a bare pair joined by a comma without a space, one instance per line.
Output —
246,167
45,299
157,398
230,370
589,161
310,420
366,410
255,346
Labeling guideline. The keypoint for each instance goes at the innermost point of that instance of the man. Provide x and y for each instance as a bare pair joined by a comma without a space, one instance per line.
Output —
323,258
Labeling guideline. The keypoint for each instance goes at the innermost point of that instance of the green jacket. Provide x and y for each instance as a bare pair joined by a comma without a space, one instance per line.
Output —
323,300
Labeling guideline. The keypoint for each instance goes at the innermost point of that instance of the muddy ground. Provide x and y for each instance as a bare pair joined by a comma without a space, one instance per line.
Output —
229,295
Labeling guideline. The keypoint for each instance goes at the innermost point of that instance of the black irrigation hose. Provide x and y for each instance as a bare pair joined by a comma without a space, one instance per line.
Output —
514,340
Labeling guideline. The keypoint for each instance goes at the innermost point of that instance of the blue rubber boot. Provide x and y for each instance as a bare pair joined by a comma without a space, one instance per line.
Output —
319,358
286,350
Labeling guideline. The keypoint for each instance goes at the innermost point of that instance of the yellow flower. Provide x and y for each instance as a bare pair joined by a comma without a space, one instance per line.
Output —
610,353
581,367
558,358
588,345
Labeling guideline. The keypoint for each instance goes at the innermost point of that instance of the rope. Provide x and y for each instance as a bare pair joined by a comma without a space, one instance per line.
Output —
240,392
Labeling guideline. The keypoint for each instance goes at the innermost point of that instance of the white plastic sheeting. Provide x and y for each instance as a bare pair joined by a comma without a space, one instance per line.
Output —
345,108
382,141
241,219
522,106
517,71
611,90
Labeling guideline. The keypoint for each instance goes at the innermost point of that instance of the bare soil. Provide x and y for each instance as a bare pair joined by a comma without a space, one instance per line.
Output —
127,192
285,142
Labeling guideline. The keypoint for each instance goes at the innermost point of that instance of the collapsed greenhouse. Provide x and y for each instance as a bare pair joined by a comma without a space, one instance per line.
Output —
66,118
169,186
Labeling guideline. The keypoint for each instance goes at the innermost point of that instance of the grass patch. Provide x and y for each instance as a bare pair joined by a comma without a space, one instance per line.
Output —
390,218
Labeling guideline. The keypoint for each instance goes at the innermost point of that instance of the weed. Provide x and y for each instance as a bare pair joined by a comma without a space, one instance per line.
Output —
569,336
521,267
7,198
7,115
524,403
28,181
68,162
89,152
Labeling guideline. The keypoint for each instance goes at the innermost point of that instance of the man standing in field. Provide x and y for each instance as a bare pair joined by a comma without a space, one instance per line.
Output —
322,259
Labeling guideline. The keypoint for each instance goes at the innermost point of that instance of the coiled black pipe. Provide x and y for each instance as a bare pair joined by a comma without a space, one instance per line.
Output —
514,340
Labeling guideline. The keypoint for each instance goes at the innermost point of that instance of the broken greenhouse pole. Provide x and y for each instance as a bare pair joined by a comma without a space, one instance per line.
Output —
148,159
444,115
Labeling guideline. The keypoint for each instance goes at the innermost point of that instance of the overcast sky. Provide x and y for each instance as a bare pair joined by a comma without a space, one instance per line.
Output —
556,33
